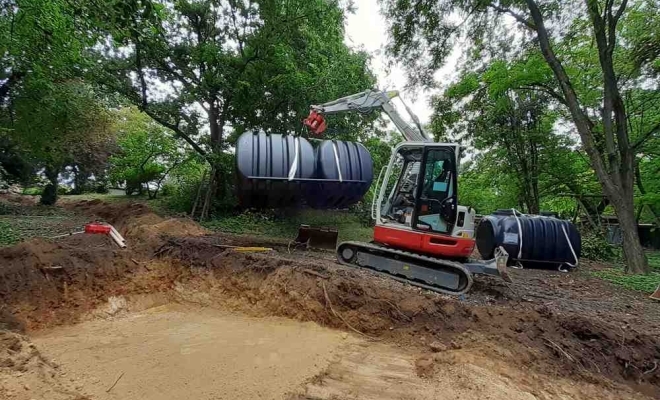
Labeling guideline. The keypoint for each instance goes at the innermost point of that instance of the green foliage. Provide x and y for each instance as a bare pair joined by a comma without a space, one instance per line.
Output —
643,283
147,154
44,41
184,187
32,191
7,235
596,248
63,124
256,65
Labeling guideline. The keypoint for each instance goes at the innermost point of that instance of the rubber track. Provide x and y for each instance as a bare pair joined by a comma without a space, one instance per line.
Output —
459,268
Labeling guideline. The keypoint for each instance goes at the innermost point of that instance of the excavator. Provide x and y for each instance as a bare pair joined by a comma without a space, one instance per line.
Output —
422,236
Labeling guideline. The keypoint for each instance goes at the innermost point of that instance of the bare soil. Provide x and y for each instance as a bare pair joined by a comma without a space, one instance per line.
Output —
549,335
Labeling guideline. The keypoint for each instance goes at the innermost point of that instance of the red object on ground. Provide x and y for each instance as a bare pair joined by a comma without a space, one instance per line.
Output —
98,228
424,242
315,122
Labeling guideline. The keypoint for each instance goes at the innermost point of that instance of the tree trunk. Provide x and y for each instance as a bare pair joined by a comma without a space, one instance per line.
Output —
632,248
617,180
49,194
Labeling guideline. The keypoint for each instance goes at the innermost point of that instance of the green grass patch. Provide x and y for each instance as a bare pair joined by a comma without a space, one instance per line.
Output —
8,236
281,224
654,260
643,283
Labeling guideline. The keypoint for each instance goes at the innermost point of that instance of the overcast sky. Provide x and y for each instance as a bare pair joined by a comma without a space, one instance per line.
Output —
366,28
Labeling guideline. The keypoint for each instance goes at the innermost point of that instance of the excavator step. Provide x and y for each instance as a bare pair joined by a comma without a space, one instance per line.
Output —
438,275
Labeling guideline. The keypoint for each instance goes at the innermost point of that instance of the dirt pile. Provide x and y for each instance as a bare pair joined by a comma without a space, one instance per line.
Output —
47,282
26,373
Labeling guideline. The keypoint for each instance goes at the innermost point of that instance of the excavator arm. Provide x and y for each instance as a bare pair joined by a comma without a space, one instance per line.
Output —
366,102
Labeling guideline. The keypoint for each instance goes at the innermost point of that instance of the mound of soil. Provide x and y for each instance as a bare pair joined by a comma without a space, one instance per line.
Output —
31,373
137,222
48,282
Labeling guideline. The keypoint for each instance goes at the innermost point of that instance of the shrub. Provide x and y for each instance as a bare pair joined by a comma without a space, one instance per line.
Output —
595,247
32,191
7,235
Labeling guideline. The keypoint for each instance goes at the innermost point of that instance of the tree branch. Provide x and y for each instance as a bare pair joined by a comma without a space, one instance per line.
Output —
642,139
547,90
232,5
175,129
518,17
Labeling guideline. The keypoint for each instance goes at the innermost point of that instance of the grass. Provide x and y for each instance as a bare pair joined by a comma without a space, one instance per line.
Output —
25,221
281,224
8,235
644,283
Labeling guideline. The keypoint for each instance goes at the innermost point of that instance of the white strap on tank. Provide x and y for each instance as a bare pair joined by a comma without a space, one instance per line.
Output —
570,245
334,148
520,234
294,166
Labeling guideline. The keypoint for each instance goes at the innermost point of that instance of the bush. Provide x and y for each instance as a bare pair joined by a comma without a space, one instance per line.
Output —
32,191
596,248
101,188
7,235
167,189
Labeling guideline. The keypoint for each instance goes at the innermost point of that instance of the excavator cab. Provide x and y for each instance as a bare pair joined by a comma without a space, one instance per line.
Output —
418,202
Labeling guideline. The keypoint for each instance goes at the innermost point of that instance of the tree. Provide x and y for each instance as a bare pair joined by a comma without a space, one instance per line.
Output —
44,41
205,69
421,33
62,125
147,154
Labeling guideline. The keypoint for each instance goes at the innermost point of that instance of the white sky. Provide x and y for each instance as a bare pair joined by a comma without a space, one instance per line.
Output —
366,28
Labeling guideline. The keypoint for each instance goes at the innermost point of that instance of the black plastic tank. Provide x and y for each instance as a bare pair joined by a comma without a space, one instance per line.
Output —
344,172
544,244
263,165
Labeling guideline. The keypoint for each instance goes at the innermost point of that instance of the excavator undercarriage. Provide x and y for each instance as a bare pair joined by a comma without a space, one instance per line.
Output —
438,275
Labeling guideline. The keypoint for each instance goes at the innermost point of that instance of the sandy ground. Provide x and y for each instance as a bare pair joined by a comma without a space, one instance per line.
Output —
172,352
176,352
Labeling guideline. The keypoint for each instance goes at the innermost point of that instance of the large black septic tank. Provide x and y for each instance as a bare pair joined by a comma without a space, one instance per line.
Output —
545,241
267,177
344,172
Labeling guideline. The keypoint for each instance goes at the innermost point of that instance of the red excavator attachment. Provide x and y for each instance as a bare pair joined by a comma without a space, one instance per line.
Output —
315,122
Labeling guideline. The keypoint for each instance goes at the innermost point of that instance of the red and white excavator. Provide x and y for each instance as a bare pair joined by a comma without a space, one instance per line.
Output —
422,235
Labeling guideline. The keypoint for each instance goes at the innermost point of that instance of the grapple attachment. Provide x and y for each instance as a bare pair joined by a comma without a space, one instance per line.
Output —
315,122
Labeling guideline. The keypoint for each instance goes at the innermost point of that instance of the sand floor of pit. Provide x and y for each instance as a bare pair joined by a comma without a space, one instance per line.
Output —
177,352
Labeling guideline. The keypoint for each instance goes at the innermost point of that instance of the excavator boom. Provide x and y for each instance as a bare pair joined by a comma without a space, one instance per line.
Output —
366,102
